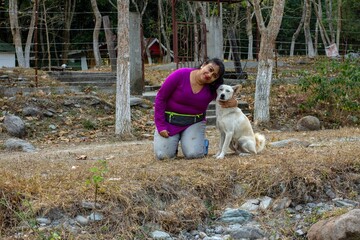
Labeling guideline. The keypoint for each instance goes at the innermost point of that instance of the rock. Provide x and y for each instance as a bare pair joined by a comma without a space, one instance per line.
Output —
308,123
245,232
15,144
31,111
82,220
346,226
135,101
280,204
43,221
14,126
95,216
160,235
265,202
236,216
251,205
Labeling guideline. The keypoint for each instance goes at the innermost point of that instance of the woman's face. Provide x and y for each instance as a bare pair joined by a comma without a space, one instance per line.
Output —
209,72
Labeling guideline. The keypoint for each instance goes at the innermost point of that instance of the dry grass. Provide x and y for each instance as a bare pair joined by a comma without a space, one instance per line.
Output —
140,191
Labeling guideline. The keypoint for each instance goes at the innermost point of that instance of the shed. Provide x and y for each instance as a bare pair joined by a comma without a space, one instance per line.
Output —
155,47
77,60
7,55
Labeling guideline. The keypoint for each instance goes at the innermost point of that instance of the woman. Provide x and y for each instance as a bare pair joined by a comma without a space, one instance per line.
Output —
180,107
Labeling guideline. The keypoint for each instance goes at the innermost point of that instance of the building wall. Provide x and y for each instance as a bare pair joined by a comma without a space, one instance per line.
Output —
7,60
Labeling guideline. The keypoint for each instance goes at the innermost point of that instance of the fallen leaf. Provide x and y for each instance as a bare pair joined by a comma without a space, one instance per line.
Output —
81,157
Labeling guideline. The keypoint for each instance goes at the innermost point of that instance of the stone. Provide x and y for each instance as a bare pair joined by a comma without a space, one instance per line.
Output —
308,123
16,144
14,126
346,226
160,235
31,111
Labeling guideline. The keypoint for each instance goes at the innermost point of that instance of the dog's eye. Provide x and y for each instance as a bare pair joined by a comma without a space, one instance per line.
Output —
227,90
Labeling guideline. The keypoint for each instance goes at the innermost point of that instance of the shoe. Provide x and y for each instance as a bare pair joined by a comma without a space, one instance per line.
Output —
206,146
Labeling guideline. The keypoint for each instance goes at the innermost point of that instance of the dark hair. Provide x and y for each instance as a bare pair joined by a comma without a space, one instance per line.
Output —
220,80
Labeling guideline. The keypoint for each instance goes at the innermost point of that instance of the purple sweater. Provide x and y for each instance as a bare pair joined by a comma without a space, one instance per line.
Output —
176,95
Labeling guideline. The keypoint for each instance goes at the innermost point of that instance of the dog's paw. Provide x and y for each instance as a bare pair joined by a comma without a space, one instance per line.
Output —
242,154
220,156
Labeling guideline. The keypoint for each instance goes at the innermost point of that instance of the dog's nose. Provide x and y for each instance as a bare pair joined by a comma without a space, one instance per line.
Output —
222,96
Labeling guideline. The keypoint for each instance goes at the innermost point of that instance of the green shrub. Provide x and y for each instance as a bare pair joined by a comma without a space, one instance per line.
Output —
333,90
89,125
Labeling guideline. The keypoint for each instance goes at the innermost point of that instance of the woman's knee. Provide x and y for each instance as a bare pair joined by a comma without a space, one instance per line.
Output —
160,155
194,155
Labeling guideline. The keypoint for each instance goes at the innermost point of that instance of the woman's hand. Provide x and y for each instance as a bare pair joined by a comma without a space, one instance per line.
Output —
164,133
232,102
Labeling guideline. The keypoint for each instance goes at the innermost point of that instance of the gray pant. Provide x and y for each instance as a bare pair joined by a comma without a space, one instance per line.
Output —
192,143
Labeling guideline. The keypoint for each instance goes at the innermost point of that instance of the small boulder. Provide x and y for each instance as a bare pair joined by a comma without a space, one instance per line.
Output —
308,123
14,126
346,226
16,144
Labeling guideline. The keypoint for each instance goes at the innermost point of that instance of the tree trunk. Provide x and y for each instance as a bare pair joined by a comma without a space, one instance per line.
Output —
110,38
47,36
323,33
235,50
29,39
202,12
308,39
338,27
167,57
249,32
296,33
192,9
266,55
22,58
68,16
328,7
123,111
96,33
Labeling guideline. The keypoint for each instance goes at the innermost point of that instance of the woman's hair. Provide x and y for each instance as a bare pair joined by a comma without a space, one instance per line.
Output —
220,80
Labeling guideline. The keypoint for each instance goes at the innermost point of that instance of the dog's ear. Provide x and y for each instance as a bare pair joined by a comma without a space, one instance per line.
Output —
237,90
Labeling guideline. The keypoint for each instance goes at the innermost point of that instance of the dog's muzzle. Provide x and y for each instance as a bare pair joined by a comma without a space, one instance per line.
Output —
222,96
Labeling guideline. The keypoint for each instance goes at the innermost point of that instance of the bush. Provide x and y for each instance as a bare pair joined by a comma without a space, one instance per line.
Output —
333,91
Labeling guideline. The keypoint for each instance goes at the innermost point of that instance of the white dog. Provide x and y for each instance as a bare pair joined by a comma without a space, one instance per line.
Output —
235,129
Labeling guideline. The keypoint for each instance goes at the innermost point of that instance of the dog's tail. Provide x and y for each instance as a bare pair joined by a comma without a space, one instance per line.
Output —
260,142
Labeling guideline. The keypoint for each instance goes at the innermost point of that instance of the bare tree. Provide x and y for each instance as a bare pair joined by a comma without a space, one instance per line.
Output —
123,111
47,35
110,42
68,17
249,32
318,12
193,8
167,57
265,66
143,6
96,33
338,27
329,10
296,33
23,57
308,39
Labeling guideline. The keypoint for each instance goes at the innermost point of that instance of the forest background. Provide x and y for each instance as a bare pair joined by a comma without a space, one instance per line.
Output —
68,25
